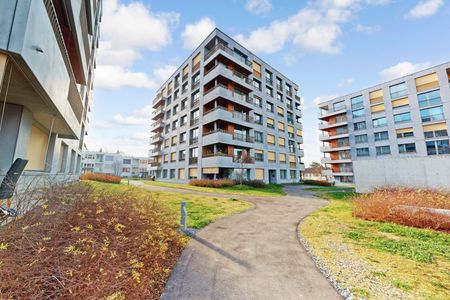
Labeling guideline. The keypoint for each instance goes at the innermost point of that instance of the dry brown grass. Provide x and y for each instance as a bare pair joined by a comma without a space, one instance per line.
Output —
86,245
101,177
405,206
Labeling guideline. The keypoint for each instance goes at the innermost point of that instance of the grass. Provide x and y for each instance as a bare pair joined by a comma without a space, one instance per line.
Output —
202,210
269,190
328,188
406,262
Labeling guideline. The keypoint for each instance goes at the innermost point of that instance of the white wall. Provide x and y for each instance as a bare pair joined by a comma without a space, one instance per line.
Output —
420,172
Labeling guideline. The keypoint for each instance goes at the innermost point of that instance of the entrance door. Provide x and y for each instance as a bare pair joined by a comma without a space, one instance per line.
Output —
272,176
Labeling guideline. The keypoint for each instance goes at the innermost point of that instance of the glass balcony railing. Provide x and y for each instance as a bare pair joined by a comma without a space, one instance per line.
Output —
230,51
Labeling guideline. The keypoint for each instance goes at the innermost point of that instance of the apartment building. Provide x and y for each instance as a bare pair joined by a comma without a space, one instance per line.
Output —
225,113
47,61
395,133
115,164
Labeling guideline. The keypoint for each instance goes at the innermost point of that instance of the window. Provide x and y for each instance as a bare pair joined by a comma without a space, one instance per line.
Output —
402,118
195,117
258,119
383,150
289,104
182,137
432,114
362,152
174,140
282,158
175,109
280,97
181,155
167,114
281,142
281,126
109,158
290,118
359,139
257,84
291,146
194,136
407,148
256,69
183,103
270,123
269,106
381,136
183,120
195,99
380,122
164,173
269,91
193,153
359,125
357,102
293,174
358,113
259,155
437,133
398,90
195,80
438,147
172,173
257,101
127,161
405,132
173,157
269,77
429,98
283,174
271,139
280,111
279,84
184,87
176,95
167,128
259,137
166,158
174,124
271,157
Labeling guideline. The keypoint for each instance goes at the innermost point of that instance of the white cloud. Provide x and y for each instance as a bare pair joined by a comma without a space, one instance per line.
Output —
128,29
163,73
346,82
402,69
140,136
320,99
424,8
367,29
315,28
258,7
130,120
378,2
195,33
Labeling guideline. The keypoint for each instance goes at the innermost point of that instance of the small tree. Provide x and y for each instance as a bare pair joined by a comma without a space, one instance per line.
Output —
243,159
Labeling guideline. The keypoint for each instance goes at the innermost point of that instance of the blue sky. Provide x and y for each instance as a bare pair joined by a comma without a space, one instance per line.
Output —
329,47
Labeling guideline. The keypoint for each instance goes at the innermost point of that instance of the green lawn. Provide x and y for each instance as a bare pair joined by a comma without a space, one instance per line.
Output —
268,190
328,188
385,260
202,210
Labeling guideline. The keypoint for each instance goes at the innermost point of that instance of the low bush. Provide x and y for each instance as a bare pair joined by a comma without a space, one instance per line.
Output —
254,183
101,177
218,183
317,182
406,206
86,245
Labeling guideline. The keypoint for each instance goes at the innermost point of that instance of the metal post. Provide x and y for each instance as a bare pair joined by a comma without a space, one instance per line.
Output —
183,215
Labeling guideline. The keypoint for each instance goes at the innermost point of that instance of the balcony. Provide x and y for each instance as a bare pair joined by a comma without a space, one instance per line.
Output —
243,138
228,52
329,160
221,113
336,148
222,136
301,152
221,91
326,137
289,93
221,69
155,164
158,113
158,125
333,112
323,126
159,100
343,173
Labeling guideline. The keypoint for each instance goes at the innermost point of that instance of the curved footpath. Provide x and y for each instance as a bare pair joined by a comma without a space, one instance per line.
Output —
251,255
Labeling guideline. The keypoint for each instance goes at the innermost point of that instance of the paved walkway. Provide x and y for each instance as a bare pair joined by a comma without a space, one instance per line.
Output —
252,255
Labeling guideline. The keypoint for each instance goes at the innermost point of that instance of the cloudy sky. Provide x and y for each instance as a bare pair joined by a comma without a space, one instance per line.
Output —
329,47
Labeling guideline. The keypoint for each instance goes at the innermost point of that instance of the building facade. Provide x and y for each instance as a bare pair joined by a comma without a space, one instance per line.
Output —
225,113
115,164
401,125
47,62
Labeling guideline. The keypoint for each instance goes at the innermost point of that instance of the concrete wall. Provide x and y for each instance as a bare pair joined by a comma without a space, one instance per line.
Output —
419,172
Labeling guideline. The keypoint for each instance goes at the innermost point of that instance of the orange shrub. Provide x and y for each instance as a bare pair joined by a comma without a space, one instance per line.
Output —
101,177
406,206
218,183
81,245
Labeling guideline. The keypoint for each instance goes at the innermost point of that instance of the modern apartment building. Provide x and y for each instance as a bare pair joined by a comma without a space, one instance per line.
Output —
115,164
395,133
225,113
47,62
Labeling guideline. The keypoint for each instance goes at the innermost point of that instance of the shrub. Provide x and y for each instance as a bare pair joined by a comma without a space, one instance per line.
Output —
254,183
406,206
317,182
85,245
218,183
101,177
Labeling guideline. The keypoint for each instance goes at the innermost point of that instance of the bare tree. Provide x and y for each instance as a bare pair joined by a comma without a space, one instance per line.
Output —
243,159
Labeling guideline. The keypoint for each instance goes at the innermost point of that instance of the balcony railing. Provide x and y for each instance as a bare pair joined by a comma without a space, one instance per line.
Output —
289,93
185,77
215,131
229,51
155,164
213,154
234,73
248,160
193,141
243,138
195,85
195,103
235,93
195,121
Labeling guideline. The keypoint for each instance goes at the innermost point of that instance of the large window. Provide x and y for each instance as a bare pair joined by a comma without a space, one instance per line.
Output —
257,101
257,84
358,113
269,106
432,114
436,133
383,150
283,174
359,125
398,90
362,152
429,98
381,136
359,139
259,137
269,91
402,118
407,148
380,122
258,119
438,147
357,102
